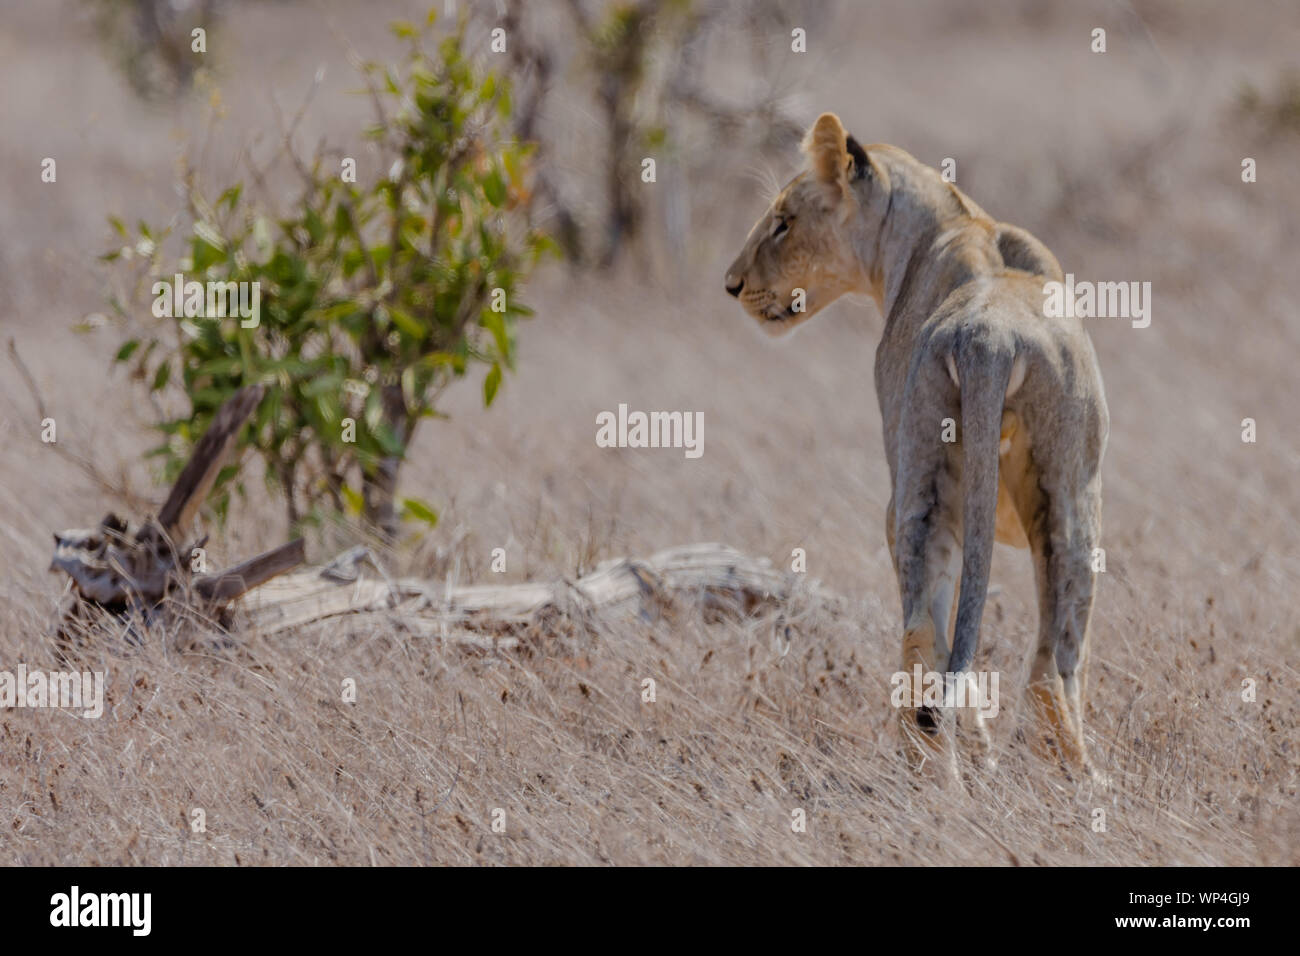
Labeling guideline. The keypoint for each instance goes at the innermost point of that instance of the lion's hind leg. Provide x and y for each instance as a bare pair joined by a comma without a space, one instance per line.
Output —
928,561
1061,518
1063,565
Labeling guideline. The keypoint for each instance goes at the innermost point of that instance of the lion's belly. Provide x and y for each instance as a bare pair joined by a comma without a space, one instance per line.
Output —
1008,530
1011,455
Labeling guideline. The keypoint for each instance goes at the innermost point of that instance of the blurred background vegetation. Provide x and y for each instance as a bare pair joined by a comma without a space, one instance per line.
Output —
376,296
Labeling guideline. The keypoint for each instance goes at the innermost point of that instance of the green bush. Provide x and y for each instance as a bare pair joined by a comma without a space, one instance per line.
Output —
373,298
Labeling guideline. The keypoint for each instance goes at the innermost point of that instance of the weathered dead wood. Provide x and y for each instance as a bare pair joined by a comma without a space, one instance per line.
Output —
243,577
124,571
146,571
195,480
713,575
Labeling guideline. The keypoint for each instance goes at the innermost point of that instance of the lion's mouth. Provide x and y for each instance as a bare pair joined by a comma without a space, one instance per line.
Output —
773,315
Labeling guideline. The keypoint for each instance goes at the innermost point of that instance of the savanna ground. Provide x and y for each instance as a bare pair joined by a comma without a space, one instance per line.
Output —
1127,164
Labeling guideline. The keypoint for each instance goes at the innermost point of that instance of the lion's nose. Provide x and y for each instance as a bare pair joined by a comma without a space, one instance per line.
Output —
735,284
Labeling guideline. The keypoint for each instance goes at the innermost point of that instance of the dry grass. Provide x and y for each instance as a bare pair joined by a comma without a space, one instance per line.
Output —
1130,171
745,728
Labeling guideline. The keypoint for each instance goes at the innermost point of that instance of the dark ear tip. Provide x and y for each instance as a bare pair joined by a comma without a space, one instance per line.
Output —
861,167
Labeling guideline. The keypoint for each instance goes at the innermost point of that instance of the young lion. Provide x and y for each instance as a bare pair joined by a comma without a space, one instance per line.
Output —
965,339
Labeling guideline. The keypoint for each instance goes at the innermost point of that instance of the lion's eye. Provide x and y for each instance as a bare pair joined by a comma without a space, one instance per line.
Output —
780,227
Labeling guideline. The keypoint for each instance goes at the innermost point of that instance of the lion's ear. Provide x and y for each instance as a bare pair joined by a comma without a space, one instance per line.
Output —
825,146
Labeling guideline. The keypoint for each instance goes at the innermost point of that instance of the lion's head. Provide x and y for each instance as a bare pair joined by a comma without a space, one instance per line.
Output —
806,250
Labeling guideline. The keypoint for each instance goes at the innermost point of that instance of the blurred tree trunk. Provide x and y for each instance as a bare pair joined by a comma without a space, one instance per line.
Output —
622,59
381,486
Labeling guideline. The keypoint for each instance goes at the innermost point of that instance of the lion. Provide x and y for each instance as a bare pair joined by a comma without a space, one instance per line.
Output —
968,352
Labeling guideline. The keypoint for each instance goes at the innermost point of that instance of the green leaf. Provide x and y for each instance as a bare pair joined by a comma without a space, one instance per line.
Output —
231,196
414,508
327,406
160,377
514,167
207,247
353,499
338,311
209,234
315,227
118,226
409,387
408,324
543,245
388,441
495,322
374,411
322,385
491,384
126,350
352,261
494,187
342,221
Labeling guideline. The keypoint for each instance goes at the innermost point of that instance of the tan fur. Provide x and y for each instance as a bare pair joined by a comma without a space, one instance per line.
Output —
965,338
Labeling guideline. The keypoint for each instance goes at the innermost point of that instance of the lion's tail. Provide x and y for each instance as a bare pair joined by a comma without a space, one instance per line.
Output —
984,361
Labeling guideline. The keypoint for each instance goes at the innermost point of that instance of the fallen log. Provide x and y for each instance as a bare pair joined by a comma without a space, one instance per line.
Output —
716,577
145,571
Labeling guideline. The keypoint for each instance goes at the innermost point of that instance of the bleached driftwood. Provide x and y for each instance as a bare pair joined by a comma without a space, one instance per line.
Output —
715,576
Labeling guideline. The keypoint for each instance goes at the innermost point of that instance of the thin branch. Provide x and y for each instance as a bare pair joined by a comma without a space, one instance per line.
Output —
117,489
27,377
